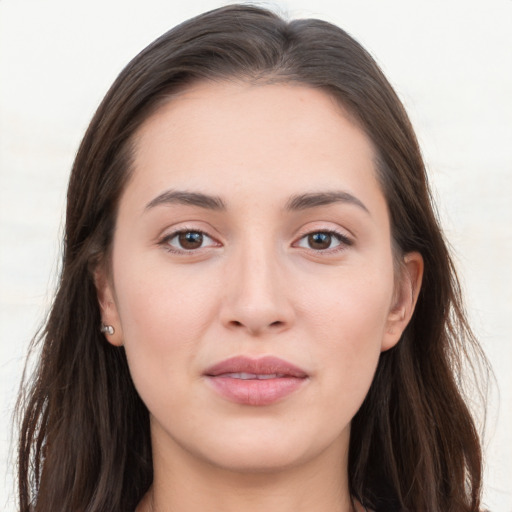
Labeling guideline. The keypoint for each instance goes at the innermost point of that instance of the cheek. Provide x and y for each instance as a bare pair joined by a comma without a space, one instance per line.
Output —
351,307
163,317
155,301
348,320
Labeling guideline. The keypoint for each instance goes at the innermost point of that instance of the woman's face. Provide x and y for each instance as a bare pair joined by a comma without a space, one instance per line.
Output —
252,282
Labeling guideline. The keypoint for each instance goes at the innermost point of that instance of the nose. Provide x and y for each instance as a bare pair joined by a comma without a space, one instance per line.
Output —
257,297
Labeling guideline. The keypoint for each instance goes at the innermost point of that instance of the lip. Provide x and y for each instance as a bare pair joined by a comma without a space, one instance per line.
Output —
255,382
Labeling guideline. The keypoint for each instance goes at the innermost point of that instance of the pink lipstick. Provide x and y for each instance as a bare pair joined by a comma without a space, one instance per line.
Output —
260,381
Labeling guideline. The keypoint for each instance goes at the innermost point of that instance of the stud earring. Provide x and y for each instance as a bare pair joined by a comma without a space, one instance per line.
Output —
107,329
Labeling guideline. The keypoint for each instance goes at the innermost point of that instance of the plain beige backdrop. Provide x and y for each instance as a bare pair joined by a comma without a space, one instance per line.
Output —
450,61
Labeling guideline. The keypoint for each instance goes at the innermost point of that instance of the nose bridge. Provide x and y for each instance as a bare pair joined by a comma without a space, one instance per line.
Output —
258,271
255,296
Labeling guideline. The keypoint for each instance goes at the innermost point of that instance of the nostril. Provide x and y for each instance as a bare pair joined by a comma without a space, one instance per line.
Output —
276,324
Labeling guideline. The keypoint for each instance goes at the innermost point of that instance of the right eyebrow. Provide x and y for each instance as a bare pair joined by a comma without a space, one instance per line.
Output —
187,198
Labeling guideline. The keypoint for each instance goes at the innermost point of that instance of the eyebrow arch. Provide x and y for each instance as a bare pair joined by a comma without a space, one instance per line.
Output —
314,199
187,198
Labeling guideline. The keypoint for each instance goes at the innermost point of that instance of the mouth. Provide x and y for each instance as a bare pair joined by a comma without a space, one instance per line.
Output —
252,376
255,382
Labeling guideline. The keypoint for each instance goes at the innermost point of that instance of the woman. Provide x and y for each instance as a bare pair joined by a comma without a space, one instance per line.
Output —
257,309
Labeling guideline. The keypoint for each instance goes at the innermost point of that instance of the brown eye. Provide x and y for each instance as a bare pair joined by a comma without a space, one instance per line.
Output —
190,240
183,241
323,241
319,241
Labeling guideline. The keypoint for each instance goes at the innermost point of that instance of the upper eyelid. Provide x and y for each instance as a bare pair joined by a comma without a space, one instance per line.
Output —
175,233
210,232
332,231
183,227
342,238
323,228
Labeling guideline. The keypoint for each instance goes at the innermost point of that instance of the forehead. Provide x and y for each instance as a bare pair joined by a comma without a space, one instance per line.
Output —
216,137
294,107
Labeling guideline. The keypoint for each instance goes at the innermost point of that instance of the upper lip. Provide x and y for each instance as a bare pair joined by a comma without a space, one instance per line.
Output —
261,366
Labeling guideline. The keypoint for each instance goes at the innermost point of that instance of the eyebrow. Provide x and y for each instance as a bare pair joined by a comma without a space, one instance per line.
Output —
314,199
187,198
297,202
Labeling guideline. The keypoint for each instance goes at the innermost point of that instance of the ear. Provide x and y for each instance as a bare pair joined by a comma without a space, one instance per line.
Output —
108,307
407,289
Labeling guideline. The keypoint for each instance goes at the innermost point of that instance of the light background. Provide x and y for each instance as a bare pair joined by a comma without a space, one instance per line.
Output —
450,61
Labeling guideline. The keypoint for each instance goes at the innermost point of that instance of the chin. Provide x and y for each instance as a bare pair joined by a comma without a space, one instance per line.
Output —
257,460
257,450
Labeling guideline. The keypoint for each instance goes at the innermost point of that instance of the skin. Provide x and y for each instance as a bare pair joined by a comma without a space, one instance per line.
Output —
254,286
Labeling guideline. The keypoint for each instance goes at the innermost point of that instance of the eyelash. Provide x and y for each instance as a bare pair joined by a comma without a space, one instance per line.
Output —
342,239
165,241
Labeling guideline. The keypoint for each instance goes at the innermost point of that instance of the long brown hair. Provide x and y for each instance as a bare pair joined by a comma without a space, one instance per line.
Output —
85,442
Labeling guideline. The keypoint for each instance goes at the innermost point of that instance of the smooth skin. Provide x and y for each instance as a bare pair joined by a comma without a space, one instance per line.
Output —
253,225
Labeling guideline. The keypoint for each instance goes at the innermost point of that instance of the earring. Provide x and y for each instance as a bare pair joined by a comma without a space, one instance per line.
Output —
107,329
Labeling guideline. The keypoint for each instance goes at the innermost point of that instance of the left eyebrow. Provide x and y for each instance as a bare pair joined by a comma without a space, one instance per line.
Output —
314,199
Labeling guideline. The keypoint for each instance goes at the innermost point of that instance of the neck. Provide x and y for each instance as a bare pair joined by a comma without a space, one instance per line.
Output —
184,484
254,494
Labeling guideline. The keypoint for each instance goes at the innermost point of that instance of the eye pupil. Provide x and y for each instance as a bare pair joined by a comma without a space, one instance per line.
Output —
319,240
190,240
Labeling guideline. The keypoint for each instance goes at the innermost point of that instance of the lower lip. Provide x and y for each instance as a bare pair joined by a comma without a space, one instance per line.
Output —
255,391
